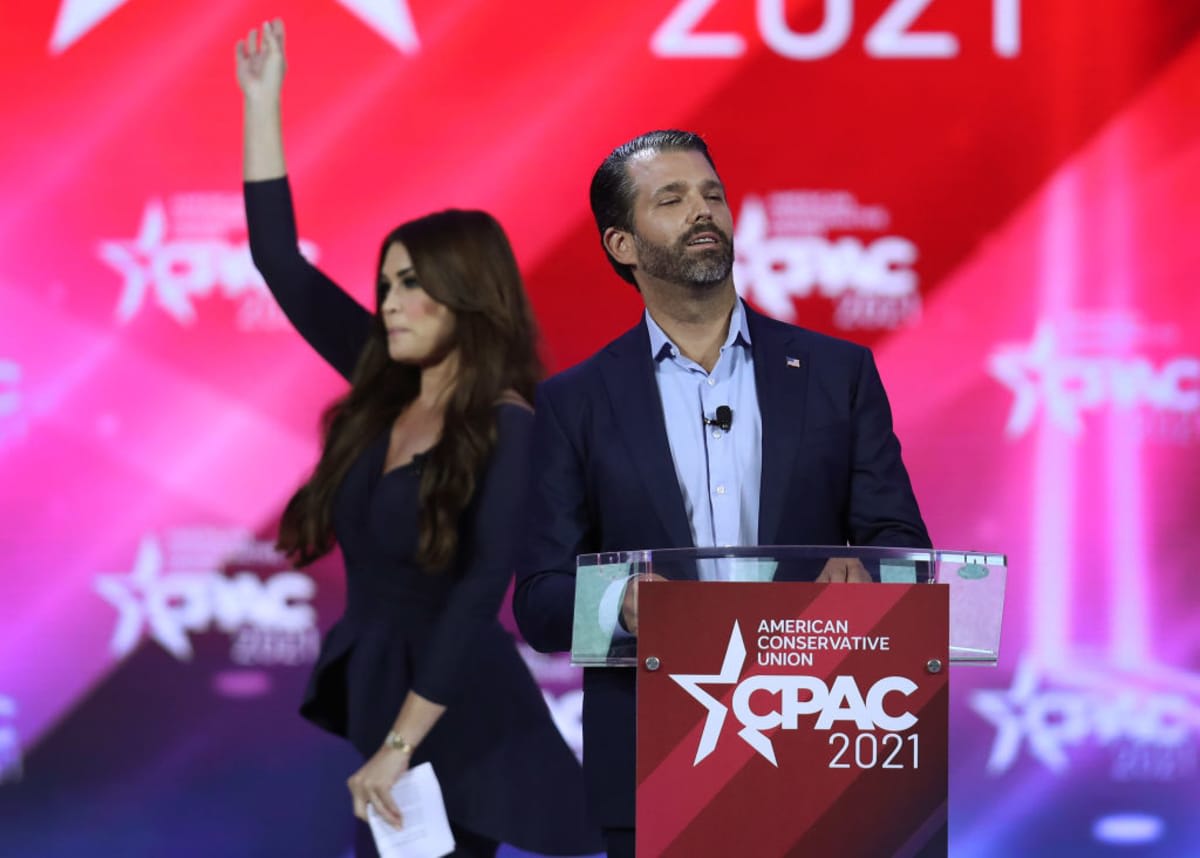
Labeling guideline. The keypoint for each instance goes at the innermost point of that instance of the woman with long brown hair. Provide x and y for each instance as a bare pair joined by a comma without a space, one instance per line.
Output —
418,483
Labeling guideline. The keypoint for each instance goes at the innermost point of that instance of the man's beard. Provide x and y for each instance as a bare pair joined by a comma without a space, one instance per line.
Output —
675,263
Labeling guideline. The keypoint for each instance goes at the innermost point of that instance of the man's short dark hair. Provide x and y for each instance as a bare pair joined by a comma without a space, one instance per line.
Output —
613,192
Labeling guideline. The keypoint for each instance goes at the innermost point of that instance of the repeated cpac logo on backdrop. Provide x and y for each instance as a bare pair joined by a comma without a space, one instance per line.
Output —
175,592
1095,364
1153,735
11,764
185,249
803,244
792,642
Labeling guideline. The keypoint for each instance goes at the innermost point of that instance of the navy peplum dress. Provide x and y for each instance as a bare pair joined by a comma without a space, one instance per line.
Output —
505,771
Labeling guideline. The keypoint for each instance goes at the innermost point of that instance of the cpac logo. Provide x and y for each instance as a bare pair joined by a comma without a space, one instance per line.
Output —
190,265
1050,722
391,19
774,270
798,695
173,605
1067,386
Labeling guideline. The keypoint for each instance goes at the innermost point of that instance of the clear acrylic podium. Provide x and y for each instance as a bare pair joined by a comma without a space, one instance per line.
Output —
778,716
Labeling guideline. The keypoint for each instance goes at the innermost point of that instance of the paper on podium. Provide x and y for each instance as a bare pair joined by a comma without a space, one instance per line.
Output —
426,831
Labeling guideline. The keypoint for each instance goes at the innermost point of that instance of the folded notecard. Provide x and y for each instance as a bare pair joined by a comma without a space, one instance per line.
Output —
426,830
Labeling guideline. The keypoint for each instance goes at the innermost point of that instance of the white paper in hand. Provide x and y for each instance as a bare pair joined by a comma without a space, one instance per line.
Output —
426,831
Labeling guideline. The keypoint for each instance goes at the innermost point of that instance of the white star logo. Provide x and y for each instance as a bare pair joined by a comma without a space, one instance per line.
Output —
142,597
1026,369
133,259
1005,709
731,670
390,19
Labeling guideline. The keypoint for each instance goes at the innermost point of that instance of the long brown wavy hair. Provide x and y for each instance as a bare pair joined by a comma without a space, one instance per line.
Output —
463,260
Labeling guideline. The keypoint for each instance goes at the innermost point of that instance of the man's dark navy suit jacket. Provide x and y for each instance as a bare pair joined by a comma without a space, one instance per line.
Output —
603,480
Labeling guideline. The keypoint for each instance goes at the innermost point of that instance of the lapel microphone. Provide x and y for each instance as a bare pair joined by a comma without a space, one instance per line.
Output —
722,421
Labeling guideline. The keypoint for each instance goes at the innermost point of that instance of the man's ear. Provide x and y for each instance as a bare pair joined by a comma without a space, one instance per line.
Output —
620,245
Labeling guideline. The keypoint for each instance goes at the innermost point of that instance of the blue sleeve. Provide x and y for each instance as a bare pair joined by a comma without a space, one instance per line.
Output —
487,542
557,529
332,322
883,509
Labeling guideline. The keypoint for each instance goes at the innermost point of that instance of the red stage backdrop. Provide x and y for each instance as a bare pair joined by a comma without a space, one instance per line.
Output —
999,196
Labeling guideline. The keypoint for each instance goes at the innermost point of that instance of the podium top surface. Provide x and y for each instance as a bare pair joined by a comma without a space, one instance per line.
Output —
976,580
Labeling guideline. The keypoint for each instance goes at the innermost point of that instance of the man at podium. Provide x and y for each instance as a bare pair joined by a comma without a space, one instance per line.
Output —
705,425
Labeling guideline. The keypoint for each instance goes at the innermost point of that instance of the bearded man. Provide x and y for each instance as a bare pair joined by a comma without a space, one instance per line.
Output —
705,425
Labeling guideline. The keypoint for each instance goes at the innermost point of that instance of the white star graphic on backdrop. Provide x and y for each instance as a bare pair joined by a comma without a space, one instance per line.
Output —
390,19
134,260
76,18
731,669
126,593
134,594
1007,710
1022,368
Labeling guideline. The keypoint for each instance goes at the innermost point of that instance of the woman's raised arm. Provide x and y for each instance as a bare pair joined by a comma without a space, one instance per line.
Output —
332,322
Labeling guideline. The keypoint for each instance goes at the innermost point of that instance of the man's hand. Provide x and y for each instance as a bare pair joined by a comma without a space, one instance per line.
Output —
629,603
848,570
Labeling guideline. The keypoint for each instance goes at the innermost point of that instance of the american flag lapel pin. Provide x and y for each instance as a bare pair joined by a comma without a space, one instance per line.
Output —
794,363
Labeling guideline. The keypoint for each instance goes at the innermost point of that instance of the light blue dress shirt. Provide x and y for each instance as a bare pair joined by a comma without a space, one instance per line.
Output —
719,472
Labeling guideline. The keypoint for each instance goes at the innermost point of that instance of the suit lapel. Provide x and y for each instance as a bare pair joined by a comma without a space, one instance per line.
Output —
781,378
628,372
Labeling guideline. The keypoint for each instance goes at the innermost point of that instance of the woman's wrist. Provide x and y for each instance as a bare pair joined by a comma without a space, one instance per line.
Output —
397,742
261,103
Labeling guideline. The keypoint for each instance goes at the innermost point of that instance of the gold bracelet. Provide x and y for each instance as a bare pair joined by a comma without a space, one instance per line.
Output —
397,743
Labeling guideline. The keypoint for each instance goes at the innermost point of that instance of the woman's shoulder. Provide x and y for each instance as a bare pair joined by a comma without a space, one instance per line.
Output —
514,419
511,399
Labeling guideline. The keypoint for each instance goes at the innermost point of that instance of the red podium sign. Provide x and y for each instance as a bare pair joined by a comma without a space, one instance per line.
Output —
792,719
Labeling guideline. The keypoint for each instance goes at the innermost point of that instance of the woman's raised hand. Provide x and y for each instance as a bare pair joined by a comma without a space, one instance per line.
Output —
261,62
260,67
